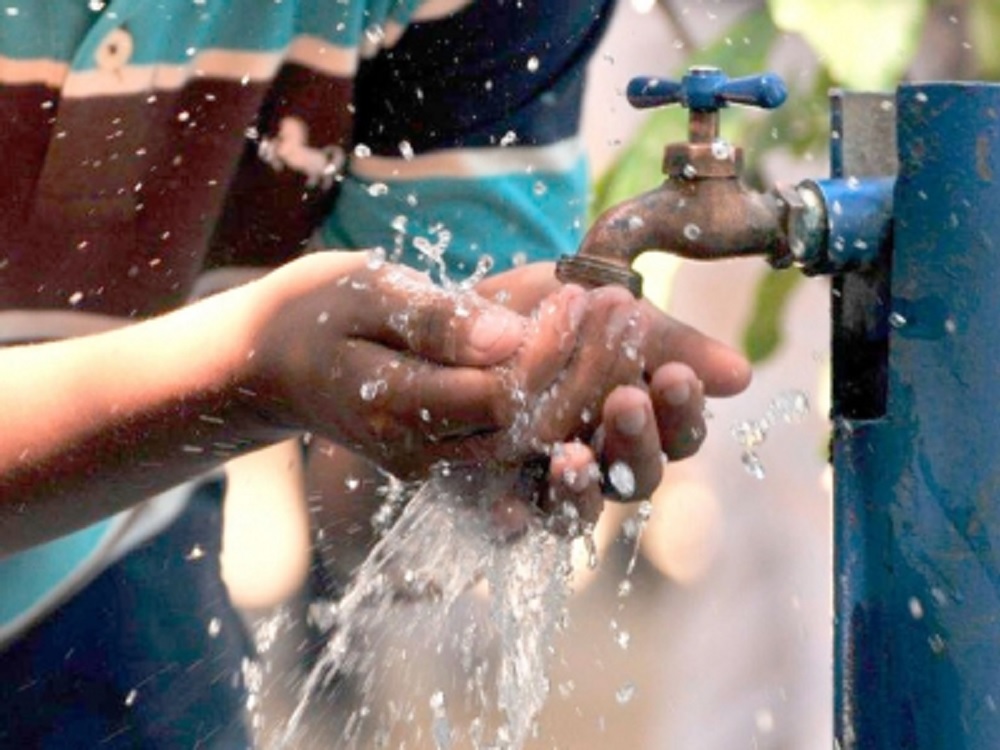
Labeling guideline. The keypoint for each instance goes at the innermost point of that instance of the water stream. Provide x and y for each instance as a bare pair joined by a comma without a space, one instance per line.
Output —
445,543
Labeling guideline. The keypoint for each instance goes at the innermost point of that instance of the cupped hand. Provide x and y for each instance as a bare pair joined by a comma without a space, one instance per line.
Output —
661,412
380,360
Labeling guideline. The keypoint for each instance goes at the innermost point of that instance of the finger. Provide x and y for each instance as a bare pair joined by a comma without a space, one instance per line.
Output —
679,402
574,498
631,451
722,370
403,310
607,356
552,339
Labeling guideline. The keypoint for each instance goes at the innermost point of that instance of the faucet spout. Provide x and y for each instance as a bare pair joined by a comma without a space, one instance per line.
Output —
698,219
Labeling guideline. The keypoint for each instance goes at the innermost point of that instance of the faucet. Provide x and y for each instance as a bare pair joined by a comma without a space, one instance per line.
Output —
702,210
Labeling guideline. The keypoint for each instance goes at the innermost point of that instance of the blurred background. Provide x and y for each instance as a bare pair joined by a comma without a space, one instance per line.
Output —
725,640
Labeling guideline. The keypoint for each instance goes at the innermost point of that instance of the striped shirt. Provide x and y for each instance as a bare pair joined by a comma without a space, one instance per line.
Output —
156,138
149,141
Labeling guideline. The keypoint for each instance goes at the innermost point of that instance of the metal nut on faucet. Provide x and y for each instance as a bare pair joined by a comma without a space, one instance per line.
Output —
802,221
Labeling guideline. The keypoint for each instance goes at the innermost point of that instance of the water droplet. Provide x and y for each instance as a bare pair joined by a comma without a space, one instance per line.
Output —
937,644
752,463
406,150
75,298
323,317
362,151
375,33
371,389
183,116
378,189
131,696
790,407
622,479
533,64
214,627
721,149
921,97
916,608
635,223
625,693
623,638
630,529
509,139
376,258
897,320
692,231
644,512
352,483
764,719
624,588
690,171
540,188
196,553
749,434
591,547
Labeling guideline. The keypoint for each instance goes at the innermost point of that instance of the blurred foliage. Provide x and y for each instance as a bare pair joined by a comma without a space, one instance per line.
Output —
855,44
864,45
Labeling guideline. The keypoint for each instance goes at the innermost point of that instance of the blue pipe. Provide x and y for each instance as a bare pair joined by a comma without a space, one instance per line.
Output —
917,498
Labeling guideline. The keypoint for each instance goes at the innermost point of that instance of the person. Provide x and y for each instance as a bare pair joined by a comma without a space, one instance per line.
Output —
150,144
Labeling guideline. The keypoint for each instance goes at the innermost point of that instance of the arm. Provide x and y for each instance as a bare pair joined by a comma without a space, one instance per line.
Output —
117,416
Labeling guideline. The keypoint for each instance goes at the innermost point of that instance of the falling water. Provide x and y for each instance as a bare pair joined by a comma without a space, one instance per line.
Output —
444,543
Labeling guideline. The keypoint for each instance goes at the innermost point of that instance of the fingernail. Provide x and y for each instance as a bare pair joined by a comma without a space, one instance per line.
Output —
678,394
490,327
631,422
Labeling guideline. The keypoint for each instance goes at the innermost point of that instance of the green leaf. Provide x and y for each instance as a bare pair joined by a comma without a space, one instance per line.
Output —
865,44
763,334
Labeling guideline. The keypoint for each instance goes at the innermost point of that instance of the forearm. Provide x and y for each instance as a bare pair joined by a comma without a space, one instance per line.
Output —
95,424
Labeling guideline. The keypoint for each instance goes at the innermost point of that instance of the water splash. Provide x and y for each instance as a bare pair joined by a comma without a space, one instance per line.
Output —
444,542
788,407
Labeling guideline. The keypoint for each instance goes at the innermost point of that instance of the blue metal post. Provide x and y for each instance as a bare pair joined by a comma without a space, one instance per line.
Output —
917,443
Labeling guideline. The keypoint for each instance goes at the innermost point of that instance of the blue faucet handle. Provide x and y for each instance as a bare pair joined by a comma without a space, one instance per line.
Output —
706,89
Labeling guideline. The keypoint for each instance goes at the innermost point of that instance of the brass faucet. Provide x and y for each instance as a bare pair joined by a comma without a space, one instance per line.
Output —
702,210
